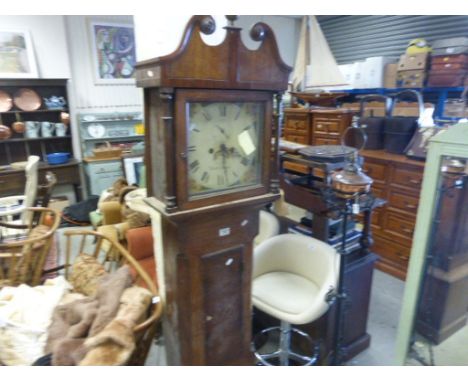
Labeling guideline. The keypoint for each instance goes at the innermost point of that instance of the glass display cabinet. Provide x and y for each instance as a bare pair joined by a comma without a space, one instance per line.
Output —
432,328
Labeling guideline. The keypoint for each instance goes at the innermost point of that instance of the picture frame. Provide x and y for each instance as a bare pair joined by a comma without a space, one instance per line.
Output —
113,52
132,165
17,58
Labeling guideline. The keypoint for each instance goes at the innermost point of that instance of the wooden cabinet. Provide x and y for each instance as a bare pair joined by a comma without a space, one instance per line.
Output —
119,129
398,180
328,126
314,127
297,124
19,146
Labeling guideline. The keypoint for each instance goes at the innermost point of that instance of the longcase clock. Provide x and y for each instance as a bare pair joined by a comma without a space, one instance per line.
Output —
212,130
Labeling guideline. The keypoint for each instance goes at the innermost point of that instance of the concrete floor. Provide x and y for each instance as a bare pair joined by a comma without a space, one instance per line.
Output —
384,314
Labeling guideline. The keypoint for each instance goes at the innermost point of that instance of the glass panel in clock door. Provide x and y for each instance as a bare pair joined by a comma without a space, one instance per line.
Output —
224,146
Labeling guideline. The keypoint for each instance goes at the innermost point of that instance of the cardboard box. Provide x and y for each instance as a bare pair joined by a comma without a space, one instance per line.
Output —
373,71
413,61
411,78
358,79
347,70
409,109
390,76
377,109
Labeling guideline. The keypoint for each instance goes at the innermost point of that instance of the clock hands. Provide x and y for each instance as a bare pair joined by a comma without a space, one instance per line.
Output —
222,131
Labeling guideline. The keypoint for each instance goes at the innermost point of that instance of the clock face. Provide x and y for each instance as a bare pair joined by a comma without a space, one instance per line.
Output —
223,145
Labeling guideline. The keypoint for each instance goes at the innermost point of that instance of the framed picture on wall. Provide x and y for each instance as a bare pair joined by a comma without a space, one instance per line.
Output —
17,58
132,168
113,52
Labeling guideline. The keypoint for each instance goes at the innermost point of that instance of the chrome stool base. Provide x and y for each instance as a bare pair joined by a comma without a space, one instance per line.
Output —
284,355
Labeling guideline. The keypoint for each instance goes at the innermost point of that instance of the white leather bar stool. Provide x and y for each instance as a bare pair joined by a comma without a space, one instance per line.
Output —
292,276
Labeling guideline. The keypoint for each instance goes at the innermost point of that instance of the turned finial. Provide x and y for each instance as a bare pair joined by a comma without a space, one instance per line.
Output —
231,19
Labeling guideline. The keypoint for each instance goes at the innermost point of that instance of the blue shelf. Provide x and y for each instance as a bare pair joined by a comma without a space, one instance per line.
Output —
396,90
440,92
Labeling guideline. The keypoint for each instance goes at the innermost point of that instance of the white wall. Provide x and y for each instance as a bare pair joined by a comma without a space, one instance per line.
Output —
49,42
286,31
85,95
88,96
158,35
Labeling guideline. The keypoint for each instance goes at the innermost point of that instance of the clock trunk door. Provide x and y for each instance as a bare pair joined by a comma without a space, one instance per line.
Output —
222,139
222,280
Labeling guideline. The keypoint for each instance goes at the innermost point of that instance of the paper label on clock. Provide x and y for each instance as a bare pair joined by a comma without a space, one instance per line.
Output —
246,143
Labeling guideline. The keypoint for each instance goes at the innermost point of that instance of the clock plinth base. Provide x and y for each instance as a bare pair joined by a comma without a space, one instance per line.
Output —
207,270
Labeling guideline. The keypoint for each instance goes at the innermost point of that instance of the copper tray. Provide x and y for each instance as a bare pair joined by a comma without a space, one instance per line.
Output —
6,102
319,99
27,100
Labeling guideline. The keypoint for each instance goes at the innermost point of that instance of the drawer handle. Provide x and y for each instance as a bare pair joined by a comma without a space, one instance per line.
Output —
407,230
408,205
415,181
402,257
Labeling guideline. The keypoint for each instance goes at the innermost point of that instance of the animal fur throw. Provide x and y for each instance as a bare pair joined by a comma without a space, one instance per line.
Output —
116,189
115,343
72,323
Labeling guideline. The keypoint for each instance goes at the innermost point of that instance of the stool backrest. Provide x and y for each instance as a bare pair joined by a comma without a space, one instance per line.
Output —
310,258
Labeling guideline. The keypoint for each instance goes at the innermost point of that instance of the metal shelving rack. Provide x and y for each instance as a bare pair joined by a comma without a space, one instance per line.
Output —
437,94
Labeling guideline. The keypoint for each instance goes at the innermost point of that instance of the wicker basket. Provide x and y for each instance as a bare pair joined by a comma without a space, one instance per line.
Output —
107,151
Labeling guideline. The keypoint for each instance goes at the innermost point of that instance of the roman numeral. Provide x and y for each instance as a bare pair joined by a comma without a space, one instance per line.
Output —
206,115
194,165
245,161
238,111
235,174
191,149
247,128
205,177
222,110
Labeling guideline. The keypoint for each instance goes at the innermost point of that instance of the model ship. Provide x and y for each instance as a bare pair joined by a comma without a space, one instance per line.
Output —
315,68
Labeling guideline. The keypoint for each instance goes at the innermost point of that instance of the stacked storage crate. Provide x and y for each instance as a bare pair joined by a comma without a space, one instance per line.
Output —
449,63
412,70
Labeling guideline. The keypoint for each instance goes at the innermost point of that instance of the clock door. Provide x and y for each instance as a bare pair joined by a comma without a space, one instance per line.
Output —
220,141
222,278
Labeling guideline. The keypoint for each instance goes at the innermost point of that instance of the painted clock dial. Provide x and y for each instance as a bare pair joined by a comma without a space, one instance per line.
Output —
223,145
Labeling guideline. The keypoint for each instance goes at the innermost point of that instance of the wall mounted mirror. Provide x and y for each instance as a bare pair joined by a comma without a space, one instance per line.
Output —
433,325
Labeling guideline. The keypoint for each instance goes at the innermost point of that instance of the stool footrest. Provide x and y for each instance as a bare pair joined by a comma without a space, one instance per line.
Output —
284,354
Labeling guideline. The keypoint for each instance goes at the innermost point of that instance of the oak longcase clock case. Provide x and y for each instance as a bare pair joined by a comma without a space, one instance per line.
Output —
212,131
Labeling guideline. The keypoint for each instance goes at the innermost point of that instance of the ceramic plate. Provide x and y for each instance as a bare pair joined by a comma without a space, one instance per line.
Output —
27,100
5,101
96,130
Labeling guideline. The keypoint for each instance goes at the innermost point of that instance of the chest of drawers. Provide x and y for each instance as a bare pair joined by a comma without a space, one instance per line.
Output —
398,180
297,122
314,127
328,126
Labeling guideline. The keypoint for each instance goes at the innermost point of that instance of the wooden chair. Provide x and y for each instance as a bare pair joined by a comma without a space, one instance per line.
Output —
15,205
23,255
44,191
112,255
